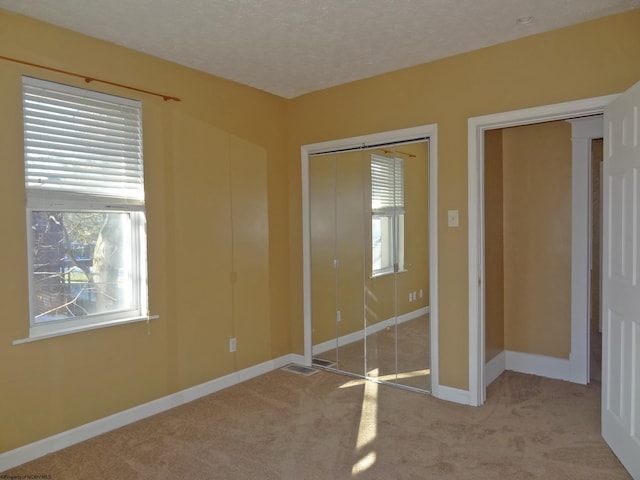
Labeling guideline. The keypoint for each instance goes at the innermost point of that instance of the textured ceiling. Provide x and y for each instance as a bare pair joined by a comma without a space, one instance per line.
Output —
292,47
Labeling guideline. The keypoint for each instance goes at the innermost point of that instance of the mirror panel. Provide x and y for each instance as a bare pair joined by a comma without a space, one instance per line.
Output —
337,239
412,329
350,236
370,265
322,214
384,255
380,329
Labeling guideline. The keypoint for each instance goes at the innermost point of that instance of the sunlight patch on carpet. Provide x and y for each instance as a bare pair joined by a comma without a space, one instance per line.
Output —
354,383
368,429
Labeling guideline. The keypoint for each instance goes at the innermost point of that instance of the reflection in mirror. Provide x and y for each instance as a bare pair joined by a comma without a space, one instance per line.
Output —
350,238
386,209
397,328
412,282
324,287
369,262
337,242
384,262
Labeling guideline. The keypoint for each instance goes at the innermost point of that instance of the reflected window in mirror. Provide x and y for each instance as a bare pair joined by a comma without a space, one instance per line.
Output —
387,214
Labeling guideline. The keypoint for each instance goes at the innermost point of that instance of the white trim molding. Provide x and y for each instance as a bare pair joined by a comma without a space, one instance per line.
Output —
494,368
541,365
476,128
583,131
455,395
34,450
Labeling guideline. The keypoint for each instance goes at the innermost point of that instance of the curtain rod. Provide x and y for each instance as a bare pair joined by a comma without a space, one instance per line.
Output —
398,152
89,79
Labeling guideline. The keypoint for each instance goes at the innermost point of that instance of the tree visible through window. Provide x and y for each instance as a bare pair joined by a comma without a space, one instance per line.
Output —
80,266
85,207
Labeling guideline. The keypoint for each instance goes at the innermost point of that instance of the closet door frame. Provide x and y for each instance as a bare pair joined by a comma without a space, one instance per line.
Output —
424,131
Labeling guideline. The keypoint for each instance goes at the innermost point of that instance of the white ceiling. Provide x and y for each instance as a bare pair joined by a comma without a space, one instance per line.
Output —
292,47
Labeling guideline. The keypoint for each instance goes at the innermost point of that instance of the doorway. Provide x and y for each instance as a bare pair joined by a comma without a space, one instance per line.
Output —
534,210
577,367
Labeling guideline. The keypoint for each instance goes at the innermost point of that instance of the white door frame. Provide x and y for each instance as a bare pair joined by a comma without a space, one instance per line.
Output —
583,131
476,128
430,131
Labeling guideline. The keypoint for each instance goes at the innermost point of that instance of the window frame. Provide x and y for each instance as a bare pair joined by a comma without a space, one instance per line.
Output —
43,199
387,243
394,211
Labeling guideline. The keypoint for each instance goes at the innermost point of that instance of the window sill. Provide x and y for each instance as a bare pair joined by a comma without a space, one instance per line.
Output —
84,328
384,274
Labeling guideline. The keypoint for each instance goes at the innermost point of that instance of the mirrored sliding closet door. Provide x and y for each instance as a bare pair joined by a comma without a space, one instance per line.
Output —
369,228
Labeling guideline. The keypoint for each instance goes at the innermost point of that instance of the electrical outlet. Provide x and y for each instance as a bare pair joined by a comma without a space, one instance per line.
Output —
232,344
421,293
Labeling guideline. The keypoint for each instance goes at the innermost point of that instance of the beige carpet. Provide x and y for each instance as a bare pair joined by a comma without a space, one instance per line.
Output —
327,426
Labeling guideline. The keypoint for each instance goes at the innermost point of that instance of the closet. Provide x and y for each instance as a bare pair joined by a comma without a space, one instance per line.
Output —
369,251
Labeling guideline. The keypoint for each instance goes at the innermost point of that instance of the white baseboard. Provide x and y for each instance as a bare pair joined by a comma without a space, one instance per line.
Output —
359,335
451,394
37,449
494,368
542,365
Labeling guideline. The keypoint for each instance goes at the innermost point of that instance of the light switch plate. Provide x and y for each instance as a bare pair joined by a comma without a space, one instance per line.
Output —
452,218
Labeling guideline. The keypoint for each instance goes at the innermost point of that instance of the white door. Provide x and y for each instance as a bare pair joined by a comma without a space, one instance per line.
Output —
621,280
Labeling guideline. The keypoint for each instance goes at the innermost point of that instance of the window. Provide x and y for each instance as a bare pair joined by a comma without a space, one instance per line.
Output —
387,214
85,208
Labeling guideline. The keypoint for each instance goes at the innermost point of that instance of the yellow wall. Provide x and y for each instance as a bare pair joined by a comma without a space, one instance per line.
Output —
528,240
537,238
582,61
57,384
494,245
214,165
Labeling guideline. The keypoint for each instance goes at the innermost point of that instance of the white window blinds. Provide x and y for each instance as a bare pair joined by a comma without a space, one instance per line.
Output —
82,142
387,184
